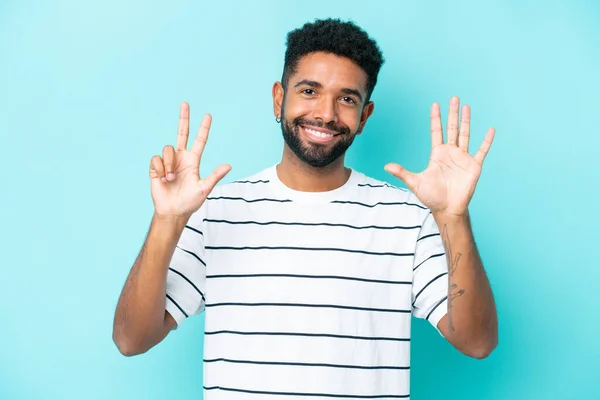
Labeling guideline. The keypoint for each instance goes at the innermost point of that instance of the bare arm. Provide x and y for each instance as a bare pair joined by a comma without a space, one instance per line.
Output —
446,188
140,320
471,324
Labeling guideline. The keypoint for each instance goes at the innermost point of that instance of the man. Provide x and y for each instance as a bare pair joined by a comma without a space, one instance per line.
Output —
309,271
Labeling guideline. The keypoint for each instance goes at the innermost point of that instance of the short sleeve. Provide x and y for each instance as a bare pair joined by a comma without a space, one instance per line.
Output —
186,277
430,274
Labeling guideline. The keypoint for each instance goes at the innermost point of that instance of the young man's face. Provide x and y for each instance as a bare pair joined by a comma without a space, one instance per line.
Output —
323,108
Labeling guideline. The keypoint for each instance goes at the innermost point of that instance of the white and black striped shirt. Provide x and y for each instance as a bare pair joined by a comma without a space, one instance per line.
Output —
308,295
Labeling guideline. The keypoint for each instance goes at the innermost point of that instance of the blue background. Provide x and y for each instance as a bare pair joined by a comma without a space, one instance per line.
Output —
91,90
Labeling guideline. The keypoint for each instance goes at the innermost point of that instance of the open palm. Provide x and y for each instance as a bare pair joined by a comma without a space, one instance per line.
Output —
448,183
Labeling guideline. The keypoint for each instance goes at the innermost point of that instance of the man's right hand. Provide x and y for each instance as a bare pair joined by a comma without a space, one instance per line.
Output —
177,189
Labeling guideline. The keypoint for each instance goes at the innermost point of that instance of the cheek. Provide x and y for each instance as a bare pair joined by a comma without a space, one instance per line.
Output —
296,108
351,118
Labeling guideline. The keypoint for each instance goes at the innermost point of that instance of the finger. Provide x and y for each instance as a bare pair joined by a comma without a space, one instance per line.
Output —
169,162
452,127
409,178
485,146
465,128
202,136
208,183
437,137
184,126
157,170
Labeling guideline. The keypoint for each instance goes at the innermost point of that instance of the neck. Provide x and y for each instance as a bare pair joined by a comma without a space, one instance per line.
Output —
297,175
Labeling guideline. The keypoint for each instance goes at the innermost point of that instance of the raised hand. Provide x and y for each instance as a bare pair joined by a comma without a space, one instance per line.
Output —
448,183
177,189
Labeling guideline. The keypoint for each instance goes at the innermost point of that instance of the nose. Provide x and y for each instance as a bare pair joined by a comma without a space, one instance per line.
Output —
326,110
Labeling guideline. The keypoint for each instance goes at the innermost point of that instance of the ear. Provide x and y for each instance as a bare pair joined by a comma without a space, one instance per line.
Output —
366,113
277,98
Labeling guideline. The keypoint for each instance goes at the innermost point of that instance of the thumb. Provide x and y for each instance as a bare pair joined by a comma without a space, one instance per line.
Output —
207,184
409,178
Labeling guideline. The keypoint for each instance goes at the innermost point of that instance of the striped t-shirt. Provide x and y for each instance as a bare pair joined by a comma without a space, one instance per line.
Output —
308,295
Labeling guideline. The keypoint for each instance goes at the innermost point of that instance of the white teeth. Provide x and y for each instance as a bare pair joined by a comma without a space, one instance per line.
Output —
318,134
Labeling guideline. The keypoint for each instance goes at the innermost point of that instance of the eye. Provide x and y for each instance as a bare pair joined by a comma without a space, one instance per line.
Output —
309,92
349,100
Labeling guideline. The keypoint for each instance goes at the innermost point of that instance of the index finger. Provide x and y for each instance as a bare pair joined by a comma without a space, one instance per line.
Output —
436,126
183,130
202,136
465,128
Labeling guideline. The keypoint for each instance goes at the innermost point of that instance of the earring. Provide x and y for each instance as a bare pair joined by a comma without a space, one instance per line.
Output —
278,120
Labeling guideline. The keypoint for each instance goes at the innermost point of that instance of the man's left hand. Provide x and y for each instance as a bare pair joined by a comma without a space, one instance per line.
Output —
447,185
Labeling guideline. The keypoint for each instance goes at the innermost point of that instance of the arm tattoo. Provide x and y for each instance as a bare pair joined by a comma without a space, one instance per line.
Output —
453,290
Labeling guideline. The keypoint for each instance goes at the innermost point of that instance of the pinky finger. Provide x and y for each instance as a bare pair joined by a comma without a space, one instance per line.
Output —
157,169
485,146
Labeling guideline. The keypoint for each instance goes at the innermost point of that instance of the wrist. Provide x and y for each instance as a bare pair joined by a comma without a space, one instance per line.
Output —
442,217
178,221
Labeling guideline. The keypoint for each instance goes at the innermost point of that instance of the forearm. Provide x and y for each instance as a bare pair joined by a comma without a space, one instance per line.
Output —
140,313
471,323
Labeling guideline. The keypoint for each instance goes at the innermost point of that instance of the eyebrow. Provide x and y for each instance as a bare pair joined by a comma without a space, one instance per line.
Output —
317,85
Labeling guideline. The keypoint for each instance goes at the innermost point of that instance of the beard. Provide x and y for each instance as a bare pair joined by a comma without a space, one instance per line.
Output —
315,154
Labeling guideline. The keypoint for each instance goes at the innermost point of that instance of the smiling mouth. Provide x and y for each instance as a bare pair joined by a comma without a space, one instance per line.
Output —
318,134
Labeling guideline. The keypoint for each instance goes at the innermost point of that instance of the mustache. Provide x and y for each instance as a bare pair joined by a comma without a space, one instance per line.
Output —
330,125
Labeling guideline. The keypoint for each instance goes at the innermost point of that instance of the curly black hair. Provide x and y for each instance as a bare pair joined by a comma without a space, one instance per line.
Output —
334,36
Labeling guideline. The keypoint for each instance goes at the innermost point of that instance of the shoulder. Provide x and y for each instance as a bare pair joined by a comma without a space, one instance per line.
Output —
258,182
375,191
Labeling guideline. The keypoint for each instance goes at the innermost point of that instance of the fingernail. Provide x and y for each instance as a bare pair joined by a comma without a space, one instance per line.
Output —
163,179
170,176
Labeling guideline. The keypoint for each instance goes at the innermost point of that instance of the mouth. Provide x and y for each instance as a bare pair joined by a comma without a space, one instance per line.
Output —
318,135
